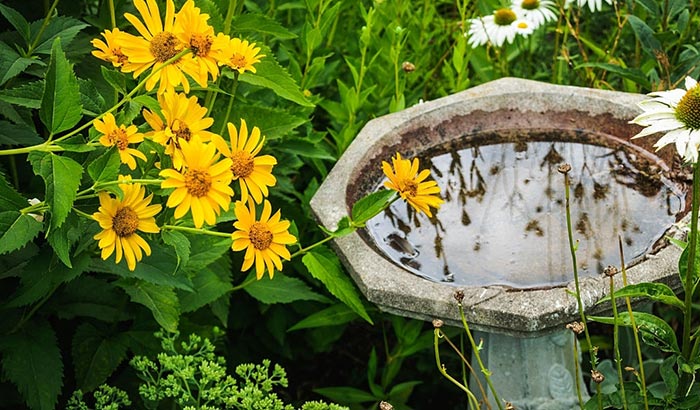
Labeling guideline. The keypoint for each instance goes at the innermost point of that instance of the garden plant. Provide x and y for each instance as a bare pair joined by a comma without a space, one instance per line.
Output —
157,158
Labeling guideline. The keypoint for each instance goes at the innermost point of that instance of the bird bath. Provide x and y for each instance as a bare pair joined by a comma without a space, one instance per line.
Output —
501,236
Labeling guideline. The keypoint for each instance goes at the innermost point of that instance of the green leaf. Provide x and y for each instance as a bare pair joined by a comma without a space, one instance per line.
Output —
210,284
12,64
205,250
96,354
31,360
334,315
306,149
17,134
60,28
683,265
115,78
27,95
645,35
18,22
61,176
323,264
64,237
87,296
346,395
273,122
370,205
633,74
654,330
282,289
659,292
16,229
180,243
60,104
260,23
161,300
10,199
106,166
92,101
270,74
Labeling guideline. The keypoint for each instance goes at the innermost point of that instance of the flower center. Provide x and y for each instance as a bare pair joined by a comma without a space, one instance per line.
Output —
522,25
238,61
121,58
183,132
530,4
197,183
119,138
200,45
125,222
164,46
688,109
410,188
260,236
503,17
243,164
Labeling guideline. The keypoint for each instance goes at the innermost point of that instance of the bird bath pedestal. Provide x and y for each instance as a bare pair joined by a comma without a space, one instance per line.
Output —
522,325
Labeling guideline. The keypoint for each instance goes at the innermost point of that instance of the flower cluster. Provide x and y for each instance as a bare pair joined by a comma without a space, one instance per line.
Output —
522,18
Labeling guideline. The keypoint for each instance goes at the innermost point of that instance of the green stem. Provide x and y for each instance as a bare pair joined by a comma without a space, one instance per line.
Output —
577,370
229,16
473,402
245,283
616,343
232,97
45,24
197,231
112,15
690,273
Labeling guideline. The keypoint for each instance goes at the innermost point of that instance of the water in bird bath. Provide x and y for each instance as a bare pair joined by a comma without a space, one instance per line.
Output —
503,220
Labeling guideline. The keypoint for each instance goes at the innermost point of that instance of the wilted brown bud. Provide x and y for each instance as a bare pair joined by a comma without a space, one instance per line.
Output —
564,168
437,323
459,295
509,406
576,327
385,406
408,67
610,271
597,376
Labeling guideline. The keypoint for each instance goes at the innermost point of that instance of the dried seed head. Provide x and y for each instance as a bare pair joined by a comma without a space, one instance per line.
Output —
408,67
597,376
564,168
576,327
509,406
437,323
459,295
610,271
385,406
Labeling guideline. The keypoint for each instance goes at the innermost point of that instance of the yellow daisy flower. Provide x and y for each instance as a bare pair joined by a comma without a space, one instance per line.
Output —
264,240
254,173
405,179
241,55
110,50
192,29
156,45
121,136
184,120
202,186
120,219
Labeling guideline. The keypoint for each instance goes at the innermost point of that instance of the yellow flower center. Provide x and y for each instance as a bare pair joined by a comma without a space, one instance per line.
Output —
503,17
183,132
164,46
688,109
530,4
238,61
197,183
200,45
260,236
243,164
119,138
522,25
409,188
119,56
125,222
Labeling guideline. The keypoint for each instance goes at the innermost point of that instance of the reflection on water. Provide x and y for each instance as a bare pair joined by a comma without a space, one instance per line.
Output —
503,221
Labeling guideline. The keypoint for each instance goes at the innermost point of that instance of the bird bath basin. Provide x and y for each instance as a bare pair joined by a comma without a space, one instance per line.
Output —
501,235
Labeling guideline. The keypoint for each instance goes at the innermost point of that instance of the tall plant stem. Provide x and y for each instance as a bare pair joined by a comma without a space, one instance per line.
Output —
473,402
231,98
689,282
616,343
45,24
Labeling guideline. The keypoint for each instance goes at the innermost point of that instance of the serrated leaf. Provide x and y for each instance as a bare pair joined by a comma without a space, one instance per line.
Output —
633,74
96,354
659,292
645,35
306,149
32,361
210,284
17,134
654,330
260,23
180,244
324,265
270,74
370,205
10,199
334,315
282,289
18,22
273,122
345,394
16,229
87,296
114,78
205,250
64,237
59,28
106,166
12,64
60,104
160,300
27,95
92,101
61,176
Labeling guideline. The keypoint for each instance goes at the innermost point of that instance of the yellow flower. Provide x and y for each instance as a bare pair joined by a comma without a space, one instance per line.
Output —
202,186
192,29
264,240
405,179
254,173
184,120
241,55
111,50
120,219
121,136
156,45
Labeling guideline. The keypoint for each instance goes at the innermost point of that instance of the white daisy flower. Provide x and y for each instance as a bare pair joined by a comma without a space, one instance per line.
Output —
677,113
593,5
537,12
498,28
